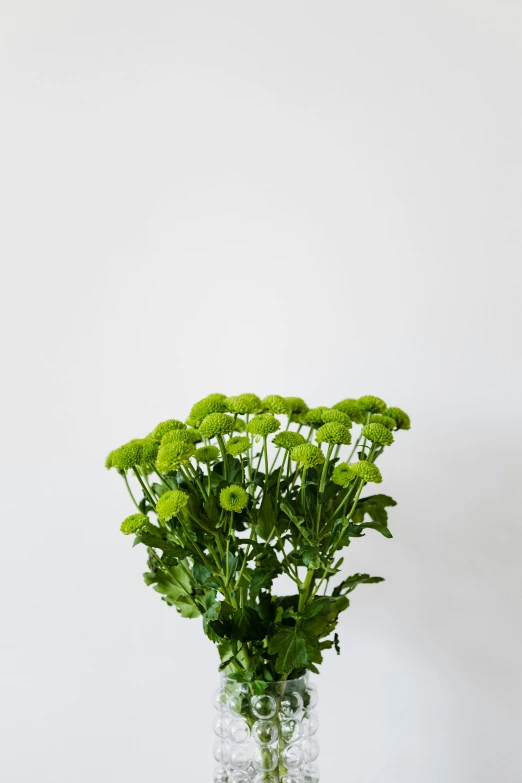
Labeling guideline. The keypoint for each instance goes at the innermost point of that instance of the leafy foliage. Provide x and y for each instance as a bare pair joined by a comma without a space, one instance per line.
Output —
223,522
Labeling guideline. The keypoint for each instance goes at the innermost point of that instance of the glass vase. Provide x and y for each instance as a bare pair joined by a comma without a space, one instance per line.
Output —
266,732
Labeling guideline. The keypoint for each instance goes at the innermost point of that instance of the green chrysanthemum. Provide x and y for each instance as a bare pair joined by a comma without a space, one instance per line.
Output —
149,451
243,403
343,475
233,498
372,404
386,421
400,417
274,403
207,454
176,436
367,471
239,425
108,460
332,414
315,415
171,456
307,455
134,524
288,440
333,433
377,433
263,424
352,409
213,403
238,445
128,456
170,504
164,427
216,424
296,405
194,435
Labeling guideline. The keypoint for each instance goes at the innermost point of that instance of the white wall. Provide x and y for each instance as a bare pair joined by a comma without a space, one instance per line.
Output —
306,198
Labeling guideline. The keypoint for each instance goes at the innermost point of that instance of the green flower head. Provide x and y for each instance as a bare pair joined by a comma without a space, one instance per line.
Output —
288,440
274,403
296,405
171,456
164,427
401,419
233,498
207,454
216,424
315,415
128,456
307,455
377,433
332,414
372,404
108,461
263,424
333,433
170,504
149,451
343,474
238,445
214,403
367,471
386,421
176,436
243,403
352,409
134,524
239,425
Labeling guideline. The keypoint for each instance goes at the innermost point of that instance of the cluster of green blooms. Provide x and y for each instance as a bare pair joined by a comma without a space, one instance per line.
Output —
225,505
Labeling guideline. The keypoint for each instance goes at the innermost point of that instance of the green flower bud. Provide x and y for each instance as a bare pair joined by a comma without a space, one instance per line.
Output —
216,424
243,403
171,456
352,409
367,471
296,405
134,524
402,419
239,426
343,474
214,403
164,427
233,498
274,403
288,440
386,421
170,504
263,424
315,415
177,436
332,414
307,455
207,454
372,404
238,445
377,433
333,433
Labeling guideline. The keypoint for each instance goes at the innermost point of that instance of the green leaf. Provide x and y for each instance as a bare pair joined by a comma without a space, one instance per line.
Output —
200,572
290,646
266,518
351,582
232,564
246,625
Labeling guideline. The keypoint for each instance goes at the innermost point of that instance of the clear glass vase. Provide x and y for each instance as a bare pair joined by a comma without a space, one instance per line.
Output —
266,732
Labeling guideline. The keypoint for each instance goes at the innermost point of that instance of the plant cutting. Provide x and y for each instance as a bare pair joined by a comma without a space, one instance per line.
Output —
243,495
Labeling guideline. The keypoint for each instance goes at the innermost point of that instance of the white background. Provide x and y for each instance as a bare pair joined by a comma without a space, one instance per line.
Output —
307,198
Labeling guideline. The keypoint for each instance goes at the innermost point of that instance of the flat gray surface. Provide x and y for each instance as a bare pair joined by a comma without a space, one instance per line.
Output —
319,199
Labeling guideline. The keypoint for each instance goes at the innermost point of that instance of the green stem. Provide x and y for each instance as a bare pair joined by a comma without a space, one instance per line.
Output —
224,455
265,449
321,487
304,593
303,493
144,488
129,490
